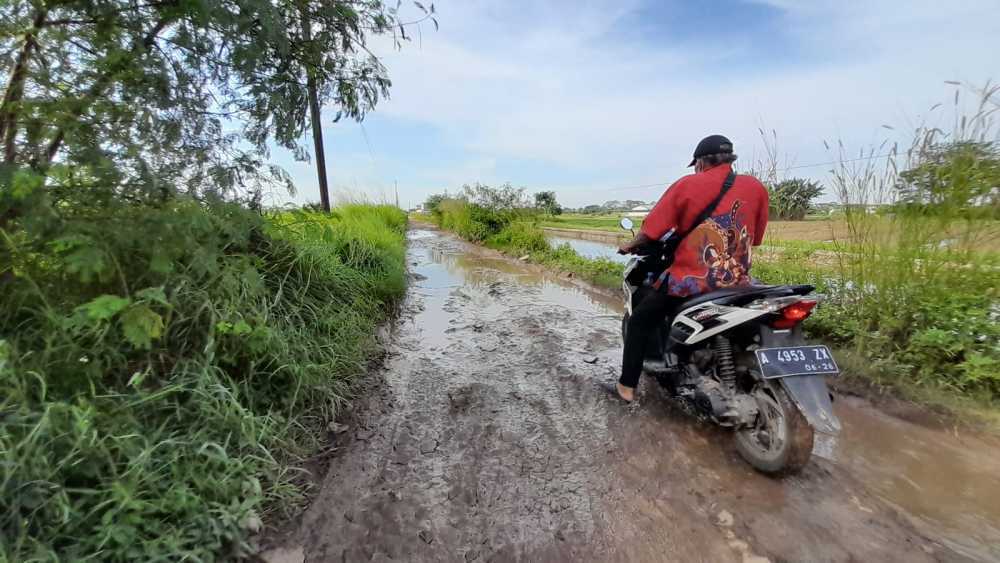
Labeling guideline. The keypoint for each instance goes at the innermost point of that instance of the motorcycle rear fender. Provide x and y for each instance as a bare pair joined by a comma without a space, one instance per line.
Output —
808,392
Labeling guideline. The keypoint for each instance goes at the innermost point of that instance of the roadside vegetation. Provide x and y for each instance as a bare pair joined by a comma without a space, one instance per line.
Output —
170,351
502,218
163,370
910,269
911,273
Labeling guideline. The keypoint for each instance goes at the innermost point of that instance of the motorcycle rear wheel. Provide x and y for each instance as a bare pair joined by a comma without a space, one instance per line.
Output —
781,440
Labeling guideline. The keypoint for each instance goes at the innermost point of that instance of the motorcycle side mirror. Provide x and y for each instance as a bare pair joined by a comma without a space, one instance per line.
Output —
626,223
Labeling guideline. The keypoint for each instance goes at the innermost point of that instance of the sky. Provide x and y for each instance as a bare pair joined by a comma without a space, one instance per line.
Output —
605,99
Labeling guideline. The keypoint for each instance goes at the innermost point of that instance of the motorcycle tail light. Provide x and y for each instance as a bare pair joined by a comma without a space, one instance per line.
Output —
794,314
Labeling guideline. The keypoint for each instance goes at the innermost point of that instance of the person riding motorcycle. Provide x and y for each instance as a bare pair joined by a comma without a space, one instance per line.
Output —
716,254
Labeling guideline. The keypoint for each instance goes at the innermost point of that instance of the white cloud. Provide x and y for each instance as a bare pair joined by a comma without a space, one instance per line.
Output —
564,85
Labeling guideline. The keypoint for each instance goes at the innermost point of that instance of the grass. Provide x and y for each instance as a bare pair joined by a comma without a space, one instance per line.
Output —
585,222
927,327
859,376
164,368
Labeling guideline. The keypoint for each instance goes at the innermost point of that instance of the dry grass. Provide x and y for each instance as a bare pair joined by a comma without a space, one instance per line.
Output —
810,231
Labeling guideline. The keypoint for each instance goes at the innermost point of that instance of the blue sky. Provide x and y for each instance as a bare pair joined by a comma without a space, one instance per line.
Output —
592,96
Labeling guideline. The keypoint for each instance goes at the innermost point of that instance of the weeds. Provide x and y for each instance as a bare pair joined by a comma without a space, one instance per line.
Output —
917,284
912,269
162,368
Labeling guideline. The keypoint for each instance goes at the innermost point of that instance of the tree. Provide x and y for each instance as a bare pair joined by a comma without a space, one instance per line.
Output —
141,94
504,197
791,199
959,175
546,202
133,101
433,202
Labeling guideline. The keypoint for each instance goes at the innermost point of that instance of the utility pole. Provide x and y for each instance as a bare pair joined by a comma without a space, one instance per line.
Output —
314,115
396,184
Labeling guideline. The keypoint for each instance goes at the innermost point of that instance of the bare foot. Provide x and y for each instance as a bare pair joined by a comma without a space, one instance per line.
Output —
627,393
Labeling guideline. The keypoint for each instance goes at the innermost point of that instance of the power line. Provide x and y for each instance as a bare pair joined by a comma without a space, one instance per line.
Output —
796,167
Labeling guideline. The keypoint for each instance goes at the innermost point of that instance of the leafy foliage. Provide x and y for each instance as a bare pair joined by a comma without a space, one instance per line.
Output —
934,328
152,404
791,199
961,175
165,351
546,202
911,291
503,198
433,203
137,97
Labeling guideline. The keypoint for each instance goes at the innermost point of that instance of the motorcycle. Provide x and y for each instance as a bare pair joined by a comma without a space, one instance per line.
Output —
738,356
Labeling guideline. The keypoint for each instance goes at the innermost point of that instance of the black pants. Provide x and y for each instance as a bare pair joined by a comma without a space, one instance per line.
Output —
650,312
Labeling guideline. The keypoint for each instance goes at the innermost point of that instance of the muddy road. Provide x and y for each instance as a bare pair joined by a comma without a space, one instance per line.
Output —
485,438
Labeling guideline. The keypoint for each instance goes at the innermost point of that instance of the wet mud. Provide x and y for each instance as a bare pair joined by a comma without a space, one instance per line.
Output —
484,437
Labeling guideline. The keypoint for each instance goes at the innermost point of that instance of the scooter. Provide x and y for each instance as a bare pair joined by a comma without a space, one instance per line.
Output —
738,356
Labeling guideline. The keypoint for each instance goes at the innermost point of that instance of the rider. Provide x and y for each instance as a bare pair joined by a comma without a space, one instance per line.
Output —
715,255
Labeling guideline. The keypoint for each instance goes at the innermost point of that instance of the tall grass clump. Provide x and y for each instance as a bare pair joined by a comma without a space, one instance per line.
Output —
163,368
520,237
913,291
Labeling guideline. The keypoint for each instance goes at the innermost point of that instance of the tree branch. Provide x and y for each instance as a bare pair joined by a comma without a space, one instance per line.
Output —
62,22
15,88
102,83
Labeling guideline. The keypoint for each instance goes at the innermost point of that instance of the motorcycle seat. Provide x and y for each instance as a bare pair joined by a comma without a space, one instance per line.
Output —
745,294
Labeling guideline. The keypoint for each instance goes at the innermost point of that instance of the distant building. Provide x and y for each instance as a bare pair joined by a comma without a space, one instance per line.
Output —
639,211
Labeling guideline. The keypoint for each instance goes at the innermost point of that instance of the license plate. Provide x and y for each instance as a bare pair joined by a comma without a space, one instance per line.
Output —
796,360
825,446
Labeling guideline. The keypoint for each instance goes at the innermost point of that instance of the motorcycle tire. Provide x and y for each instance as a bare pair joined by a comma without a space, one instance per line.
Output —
796,436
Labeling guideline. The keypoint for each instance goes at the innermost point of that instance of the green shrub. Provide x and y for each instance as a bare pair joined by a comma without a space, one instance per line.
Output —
928,326
163,367
520,237
472,221
601,271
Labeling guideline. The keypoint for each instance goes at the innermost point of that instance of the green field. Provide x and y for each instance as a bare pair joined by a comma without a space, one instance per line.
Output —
585,222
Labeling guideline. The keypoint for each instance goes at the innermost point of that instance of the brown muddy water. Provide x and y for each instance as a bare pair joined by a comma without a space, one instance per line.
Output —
485,438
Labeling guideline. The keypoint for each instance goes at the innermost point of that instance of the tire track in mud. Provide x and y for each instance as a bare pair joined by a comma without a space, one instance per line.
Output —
484,438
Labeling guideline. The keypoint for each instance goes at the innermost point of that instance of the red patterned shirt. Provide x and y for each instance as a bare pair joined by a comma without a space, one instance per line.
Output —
717,254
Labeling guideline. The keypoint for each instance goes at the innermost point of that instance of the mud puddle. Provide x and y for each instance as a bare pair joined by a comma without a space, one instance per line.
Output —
947,483
486,439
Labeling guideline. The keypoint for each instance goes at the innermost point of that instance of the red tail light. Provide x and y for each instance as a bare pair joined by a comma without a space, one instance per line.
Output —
794,314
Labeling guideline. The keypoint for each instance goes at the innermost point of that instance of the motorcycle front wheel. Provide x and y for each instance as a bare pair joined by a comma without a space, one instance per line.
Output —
781,440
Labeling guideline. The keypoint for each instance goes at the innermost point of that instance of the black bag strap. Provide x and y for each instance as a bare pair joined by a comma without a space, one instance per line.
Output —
705,213
674,241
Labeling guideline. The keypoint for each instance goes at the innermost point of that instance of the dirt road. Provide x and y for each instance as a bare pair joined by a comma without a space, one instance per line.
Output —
486,439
